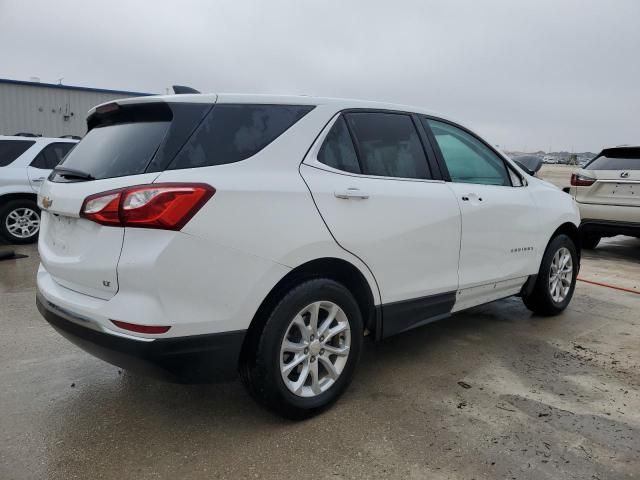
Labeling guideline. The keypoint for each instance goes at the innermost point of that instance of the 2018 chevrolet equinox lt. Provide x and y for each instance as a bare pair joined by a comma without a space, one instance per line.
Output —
199,236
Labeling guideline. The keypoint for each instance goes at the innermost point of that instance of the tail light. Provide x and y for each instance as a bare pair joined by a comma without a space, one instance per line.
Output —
167,206
578,180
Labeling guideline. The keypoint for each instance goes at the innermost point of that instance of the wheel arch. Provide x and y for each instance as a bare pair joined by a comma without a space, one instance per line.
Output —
570,230
8,197
332,268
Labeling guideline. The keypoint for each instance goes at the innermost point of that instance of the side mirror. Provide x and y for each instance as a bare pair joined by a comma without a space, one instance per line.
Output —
525,168
529,163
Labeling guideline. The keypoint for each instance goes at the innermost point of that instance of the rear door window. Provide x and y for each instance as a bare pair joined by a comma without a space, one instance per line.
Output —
338,151
388,145
51,155
231,133
10,150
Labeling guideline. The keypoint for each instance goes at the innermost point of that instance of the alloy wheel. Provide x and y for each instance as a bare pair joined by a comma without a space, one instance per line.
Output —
560,275
23,222
315,349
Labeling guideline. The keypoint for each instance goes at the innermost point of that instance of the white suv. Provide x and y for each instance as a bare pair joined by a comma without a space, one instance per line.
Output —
202,235
607,191
24,164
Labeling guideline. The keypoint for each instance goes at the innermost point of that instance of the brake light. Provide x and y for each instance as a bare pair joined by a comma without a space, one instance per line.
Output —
108,107
167,206
133,327
578,180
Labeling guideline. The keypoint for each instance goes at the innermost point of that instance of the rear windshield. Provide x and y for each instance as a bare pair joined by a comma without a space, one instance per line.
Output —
117,150
152,137
615,163
231,133
133,139
12,149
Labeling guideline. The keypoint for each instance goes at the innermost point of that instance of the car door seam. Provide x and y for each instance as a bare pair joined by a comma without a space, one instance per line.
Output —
333,236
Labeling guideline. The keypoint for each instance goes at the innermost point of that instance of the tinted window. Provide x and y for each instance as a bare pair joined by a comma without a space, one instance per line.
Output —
117,150
51,155
134,138
388,145
12,149
337,151
231,133
608,163
467,158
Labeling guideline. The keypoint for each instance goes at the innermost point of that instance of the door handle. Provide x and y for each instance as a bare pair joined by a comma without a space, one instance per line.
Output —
469,196
38,180
351,193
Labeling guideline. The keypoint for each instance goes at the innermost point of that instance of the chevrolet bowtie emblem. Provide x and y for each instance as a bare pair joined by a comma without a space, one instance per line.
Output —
46,202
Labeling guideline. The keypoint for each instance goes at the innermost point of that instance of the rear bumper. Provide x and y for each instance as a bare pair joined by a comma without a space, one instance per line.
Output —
609,228
197,358
609,213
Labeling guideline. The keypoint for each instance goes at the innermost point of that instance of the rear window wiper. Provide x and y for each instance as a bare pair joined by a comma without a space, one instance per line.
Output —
73,173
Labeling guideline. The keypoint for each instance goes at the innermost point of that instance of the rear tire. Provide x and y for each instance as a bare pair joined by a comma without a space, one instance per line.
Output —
589,242
20,221
299,369
556,279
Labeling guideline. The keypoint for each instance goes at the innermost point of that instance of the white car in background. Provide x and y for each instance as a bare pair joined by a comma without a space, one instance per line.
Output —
25,162
607,191
204,235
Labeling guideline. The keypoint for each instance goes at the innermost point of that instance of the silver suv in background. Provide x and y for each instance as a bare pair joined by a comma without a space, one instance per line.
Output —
607,191
25,162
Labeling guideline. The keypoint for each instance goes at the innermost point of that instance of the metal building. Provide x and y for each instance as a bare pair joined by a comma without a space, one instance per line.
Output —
50,110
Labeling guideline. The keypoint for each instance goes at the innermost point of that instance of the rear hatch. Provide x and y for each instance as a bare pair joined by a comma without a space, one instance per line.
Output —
128,143
616,172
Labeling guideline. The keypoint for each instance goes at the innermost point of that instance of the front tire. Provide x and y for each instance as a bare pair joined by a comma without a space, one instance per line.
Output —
556,279
20,221
308,350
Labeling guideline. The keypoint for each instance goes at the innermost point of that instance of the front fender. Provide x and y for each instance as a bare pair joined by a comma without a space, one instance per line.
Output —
555,208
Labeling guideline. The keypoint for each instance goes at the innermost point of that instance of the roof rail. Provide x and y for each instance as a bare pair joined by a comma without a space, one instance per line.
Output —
72,137
26,134
179,89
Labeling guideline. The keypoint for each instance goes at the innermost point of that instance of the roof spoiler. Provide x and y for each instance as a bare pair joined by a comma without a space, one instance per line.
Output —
180,89
621,152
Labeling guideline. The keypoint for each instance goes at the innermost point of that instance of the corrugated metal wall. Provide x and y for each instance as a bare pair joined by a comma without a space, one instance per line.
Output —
48,111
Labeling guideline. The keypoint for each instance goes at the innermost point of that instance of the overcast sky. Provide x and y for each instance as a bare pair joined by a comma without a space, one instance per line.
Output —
526,74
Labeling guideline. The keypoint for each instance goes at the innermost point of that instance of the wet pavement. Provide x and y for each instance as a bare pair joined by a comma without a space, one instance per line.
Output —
490,393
